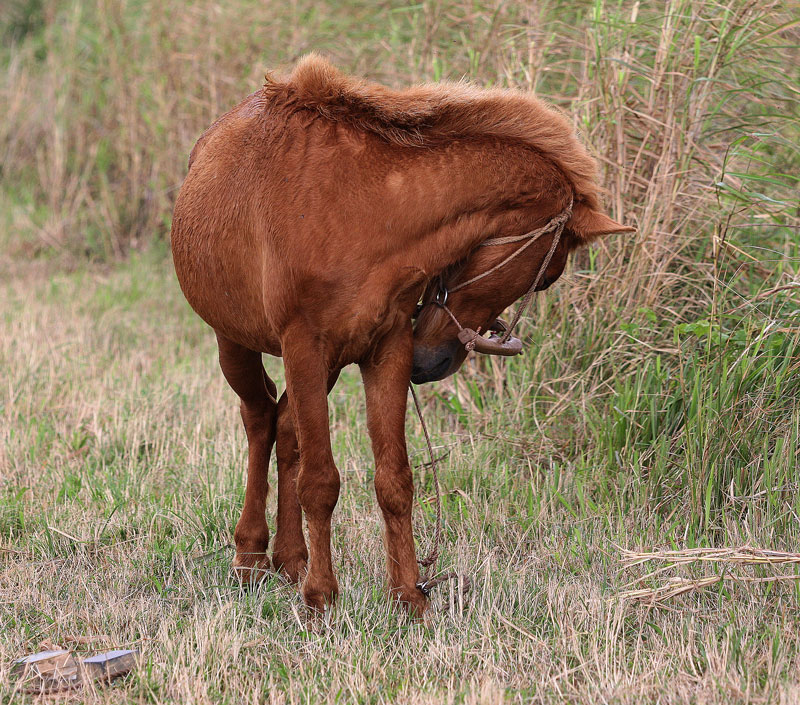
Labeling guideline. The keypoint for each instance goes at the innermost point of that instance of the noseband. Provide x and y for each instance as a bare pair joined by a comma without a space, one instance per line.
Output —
501,342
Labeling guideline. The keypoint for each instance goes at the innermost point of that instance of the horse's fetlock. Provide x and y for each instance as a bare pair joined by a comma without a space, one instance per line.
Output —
320,592
251,538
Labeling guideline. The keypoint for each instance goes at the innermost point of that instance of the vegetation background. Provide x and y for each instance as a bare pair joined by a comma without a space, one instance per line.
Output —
656,407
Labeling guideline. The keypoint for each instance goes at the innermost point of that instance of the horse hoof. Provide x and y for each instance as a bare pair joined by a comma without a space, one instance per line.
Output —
320,597
413,601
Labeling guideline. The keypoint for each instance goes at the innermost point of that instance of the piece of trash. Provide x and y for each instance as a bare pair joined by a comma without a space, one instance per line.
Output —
47,671
53,671
110,665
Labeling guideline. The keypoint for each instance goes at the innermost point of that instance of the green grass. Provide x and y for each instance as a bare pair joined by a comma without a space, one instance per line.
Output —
123,464
657,405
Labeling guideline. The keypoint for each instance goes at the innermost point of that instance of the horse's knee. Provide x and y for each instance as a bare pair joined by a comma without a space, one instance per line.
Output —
394,489
318,489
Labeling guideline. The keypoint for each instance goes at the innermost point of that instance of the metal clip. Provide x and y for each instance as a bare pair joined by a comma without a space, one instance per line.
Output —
422,586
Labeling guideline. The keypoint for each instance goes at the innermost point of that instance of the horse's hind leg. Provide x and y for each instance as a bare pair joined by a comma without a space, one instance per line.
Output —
245,374
289,553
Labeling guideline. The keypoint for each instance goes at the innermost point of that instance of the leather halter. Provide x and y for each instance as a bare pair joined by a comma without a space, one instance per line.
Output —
501,342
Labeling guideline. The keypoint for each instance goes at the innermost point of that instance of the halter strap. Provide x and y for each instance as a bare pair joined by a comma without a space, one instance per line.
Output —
554,225
564,217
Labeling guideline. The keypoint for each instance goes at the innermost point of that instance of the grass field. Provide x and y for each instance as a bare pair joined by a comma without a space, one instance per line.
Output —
657,406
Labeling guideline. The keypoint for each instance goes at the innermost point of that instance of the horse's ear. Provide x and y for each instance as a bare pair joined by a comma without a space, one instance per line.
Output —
589,224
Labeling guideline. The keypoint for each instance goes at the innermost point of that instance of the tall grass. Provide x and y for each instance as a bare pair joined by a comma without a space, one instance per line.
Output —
658,403
689,105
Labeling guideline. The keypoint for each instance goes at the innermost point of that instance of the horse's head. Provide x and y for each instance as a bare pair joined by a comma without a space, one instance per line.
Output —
437,350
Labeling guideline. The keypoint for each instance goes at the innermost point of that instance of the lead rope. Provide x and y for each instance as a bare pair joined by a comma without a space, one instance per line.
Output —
470,344
431,580
559,222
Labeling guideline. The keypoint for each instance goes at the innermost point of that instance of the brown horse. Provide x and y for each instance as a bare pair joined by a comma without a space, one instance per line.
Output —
314,217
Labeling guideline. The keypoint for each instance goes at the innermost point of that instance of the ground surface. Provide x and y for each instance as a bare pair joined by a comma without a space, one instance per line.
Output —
657,405
123,463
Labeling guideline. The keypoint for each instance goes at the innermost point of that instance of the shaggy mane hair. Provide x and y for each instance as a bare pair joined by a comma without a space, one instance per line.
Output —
431,113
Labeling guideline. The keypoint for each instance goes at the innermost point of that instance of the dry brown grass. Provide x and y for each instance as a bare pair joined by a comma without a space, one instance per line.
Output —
667,588
658,407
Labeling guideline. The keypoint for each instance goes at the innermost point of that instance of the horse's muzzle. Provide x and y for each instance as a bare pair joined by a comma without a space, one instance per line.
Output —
420,374
434,363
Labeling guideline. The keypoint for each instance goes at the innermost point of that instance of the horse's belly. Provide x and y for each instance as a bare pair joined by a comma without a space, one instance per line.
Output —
221,280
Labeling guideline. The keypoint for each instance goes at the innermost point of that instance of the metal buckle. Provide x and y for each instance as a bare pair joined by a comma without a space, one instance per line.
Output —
441,296
422,586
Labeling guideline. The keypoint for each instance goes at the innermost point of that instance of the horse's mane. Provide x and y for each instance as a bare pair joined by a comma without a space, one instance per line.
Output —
430,113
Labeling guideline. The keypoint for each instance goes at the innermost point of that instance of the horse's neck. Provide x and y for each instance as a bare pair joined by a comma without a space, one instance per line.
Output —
448,200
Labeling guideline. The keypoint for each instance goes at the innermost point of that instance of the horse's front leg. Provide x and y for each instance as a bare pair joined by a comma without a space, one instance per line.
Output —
386,376
290,554
318,478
